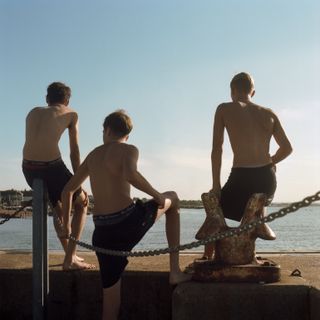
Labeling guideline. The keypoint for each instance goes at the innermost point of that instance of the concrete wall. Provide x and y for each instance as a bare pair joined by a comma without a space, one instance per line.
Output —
148,296
240,301
78,295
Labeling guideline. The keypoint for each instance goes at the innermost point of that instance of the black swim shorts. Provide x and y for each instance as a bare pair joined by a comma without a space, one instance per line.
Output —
242,184
121,231
54,173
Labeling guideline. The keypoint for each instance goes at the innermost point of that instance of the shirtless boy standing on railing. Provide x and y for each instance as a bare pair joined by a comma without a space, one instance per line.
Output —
42,158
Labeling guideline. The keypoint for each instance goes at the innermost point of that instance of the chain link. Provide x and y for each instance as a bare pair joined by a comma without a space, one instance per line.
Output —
6,219
229,233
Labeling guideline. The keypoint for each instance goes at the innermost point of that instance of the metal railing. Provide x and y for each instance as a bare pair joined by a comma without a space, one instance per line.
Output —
40,274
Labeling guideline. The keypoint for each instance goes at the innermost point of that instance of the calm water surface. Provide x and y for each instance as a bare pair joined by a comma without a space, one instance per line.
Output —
298,231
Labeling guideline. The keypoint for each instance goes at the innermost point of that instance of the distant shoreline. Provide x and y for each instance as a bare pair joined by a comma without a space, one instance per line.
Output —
5,213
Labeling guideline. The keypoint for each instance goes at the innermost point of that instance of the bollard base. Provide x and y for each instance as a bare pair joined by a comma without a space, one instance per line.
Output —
210,271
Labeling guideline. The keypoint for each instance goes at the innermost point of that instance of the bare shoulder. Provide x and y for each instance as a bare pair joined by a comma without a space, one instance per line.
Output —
265,110
129,149
35,111
94,154
72,116
70,111
223,106
95,151
127,152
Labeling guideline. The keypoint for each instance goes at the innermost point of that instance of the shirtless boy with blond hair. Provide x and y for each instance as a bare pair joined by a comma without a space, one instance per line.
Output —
120,223
250,128
42,157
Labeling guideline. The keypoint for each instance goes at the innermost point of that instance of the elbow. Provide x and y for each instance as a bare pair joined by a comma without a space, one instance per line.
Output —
216,153
289,149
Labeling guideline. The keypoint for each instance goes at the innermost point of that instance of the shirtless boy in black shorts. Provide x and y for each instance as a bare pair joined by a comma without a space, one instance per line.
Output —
42,158
119,222
250,128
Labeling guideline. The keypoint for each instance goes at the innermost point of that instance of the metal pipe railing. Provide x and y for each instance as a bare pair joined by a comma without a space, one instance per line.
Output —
40,274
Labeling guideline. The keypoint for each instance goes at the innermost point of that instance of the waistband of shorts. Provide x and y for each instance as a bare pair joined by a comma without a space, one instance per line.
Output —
267,166
113,217
26,162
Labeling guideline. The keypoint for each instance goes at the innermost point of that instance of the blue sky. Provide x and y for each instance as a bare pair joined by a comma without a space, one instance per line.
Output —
169,64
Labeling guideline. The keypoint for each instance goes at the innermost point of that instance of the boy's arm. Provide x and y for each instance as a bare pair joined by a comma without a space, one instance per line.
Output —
66,197
133,176
216,153
283,142
74,143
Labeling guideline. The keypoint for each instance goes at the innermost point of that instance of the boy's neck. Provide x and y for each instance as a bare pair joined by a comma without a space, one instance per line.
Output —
56,105
244,98
109,140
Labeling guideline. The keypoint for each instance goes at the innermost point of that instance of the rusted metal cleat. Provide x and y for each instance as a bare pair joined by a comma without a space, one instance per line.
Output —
234,258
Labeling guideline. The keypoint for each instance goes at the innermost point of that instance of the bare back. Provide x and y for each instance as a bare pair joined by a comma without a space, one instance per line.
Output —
250,128
110,188
44,127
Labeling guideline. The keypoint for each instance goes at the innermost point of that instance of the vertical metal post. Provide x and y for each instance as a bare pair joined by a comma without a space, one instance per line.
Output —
40,274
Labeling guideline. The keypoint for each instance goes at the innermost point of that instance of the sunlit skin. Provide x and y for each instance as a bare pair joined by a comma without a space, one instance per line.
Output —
250,128
44,128
112,168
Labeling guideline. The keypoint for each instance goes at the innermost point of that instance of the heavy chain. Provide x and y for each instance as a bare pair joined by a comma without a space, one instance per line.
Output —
229,233
29,203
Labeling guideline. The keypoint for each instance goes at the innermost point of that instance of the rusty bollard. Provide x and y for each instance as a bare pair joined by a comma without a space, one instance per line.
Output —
234,258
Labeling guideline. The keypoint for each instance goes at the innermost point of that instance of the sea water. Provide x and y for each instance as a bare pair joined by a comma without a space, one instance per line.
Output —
298,231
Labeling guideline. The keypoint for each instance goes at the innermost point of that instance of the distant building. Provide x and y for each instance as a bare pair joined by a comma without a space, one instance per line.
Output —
27,195
11,198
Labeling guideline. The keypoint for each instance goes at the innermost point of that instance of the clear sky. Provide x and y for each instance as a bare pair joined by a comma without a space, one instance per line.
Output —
169,64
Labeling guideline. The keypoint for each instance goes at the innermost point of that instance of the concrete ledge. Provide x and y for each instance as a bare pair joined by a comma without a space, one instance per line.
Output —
229,301
146,294
314,304
78,295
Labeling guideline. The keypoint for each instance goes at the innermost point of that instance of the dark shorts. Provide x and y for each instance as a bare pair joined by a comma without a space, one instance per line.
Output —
54,174
242,184
121,231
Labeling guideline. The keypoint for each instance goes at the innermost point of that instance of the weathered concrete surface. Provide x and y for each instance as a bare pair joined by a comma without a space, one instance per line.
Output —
216,301
315,303
146,293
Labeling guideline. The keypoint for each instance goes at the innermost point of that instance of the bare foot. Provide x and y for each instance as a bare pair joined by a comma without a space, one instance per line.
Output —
79,259
203,258
77,265
176,278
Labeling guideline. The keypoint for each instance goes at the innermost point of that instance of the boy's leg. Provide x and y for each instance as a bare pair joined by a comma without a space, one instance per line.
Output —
111,302
57,218
80,215
171,210
57,215
263,230
72,261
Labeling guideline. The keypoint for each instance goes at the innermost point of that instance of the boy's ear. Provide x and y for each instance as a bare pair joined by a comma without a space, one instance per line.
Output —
253,93
106,131
127,137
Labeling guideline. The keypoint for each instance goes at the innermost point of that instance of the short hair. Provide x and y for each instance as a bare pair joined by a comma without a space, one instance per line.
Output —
242,82
119,123
58,92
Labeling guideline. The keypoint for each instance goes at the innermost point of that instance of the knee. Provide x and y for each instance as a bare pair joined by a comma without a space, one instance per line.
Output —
173,196
82,201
